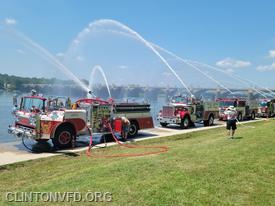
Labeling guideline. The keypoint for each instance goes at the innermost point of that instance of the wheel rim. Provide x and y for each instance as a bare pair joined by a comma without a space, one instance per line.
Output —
64,137
239,117
211,120
132,129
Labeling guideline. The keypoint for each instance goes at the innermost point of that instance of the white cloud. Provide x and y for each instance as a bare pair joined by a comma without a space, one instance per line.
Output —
232,63
264,68
10,21
271,54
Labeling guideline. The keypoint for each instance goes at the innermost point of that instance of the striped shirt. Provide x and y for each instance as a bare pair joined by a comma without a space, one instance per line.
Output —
231,114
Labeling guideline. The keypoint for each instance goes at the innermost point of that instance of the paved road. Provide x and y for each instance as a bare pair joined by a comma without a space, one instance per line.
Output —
13,152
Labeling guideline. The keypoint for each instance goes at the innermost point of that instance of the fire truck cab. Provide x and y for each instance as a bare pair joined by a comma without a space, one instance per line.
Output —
266,108
187,111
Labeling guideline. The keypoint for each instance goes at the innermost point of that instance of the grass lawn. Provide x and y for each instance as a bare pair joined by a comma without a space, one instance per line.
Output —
200,168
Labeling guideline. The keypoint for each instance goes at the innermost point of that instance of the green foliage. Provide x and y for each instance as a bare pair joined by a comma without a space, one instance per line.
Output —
18,83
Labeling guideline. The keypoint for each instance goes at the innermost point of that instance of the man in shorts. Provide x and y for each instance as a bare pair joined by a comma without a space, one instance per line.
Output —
231,126
125,124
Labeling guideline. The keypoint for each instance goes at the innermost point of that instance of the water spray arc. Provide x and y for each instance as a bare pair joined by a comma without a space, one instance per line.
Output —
175,56
193,66
138,36
49,57
258,85
92,76
231,75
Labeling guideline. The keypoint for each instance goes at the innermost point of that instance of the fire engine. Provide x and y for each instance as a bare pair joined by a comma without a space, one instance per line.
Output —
246,109
187,111
266,108
36,119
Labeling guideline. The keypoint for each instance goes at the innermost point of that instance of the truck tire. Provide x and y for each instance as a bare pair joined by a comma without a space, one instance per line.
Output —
240,117
253,115
185,122
210,121
133,129
63,137
163,124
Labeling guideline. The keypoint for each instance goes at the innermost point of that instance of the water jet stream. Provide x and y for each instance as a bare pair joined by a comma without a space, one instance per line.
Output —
195,62
193,66
231,75
175,56
138,36
258,85
98,68
49,57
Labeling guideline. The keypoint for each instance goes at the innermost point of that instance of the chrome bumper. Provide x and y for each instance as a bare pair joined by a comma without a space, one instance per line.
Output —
169,120
20,132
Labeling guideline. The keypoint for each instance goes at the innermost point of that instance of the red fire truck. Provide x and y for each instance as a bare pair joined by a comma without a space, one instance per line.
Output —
187,111
266,108
246,109
35,119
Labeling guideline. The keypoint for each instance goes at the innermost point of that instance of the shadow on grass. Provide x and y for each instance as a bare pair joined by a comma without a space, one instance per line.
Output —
238,137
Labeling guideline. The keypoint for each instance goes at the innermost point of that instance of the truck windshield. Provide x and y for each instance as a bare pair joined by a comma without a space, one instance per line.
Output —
226,103
32,103
179,99
263,104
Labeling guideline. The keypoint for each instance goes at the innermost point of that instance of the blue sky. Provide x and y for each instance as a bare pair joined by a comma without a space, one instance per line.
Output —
235,35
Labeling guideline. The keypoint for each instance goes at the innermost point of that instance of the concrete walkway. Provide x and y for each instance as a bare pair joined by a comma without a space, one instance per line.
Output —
15,151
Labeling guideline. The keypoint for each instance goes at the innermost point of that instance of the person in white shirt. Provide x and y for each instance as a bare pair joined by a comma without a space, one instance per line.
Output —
231,126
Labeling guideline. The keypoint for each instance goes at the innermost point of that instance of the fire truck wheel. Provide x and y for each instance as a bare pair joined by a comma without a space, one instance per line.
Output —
253,115
240,117
133,130
210,121
163,124
63,137
185,122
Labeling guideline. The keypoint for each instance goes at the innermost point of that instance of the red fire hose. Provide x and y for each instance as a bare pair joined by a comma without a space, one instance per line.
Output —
162,149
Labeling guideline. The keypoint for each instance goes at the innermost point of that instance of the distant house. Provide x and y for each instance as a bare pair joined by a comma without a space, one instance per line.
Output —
7,86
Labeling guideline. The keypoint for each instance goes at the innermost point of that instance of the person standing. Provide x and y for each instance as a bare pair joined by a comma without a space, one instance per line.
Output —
231,125
68,103
125,126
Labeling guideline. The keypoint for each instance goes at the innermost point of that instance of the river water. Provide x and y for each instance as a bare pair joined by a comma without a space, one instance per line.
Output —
6,118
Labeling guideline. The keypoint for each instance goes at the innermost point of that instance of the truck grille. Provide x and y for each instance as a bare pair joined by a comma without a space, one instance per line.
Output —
168,111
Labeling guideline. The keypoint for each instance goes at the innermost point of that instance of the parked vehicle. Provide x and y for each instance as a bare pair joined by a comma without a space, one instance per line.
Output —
187,111
266,108
35,119
246,109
